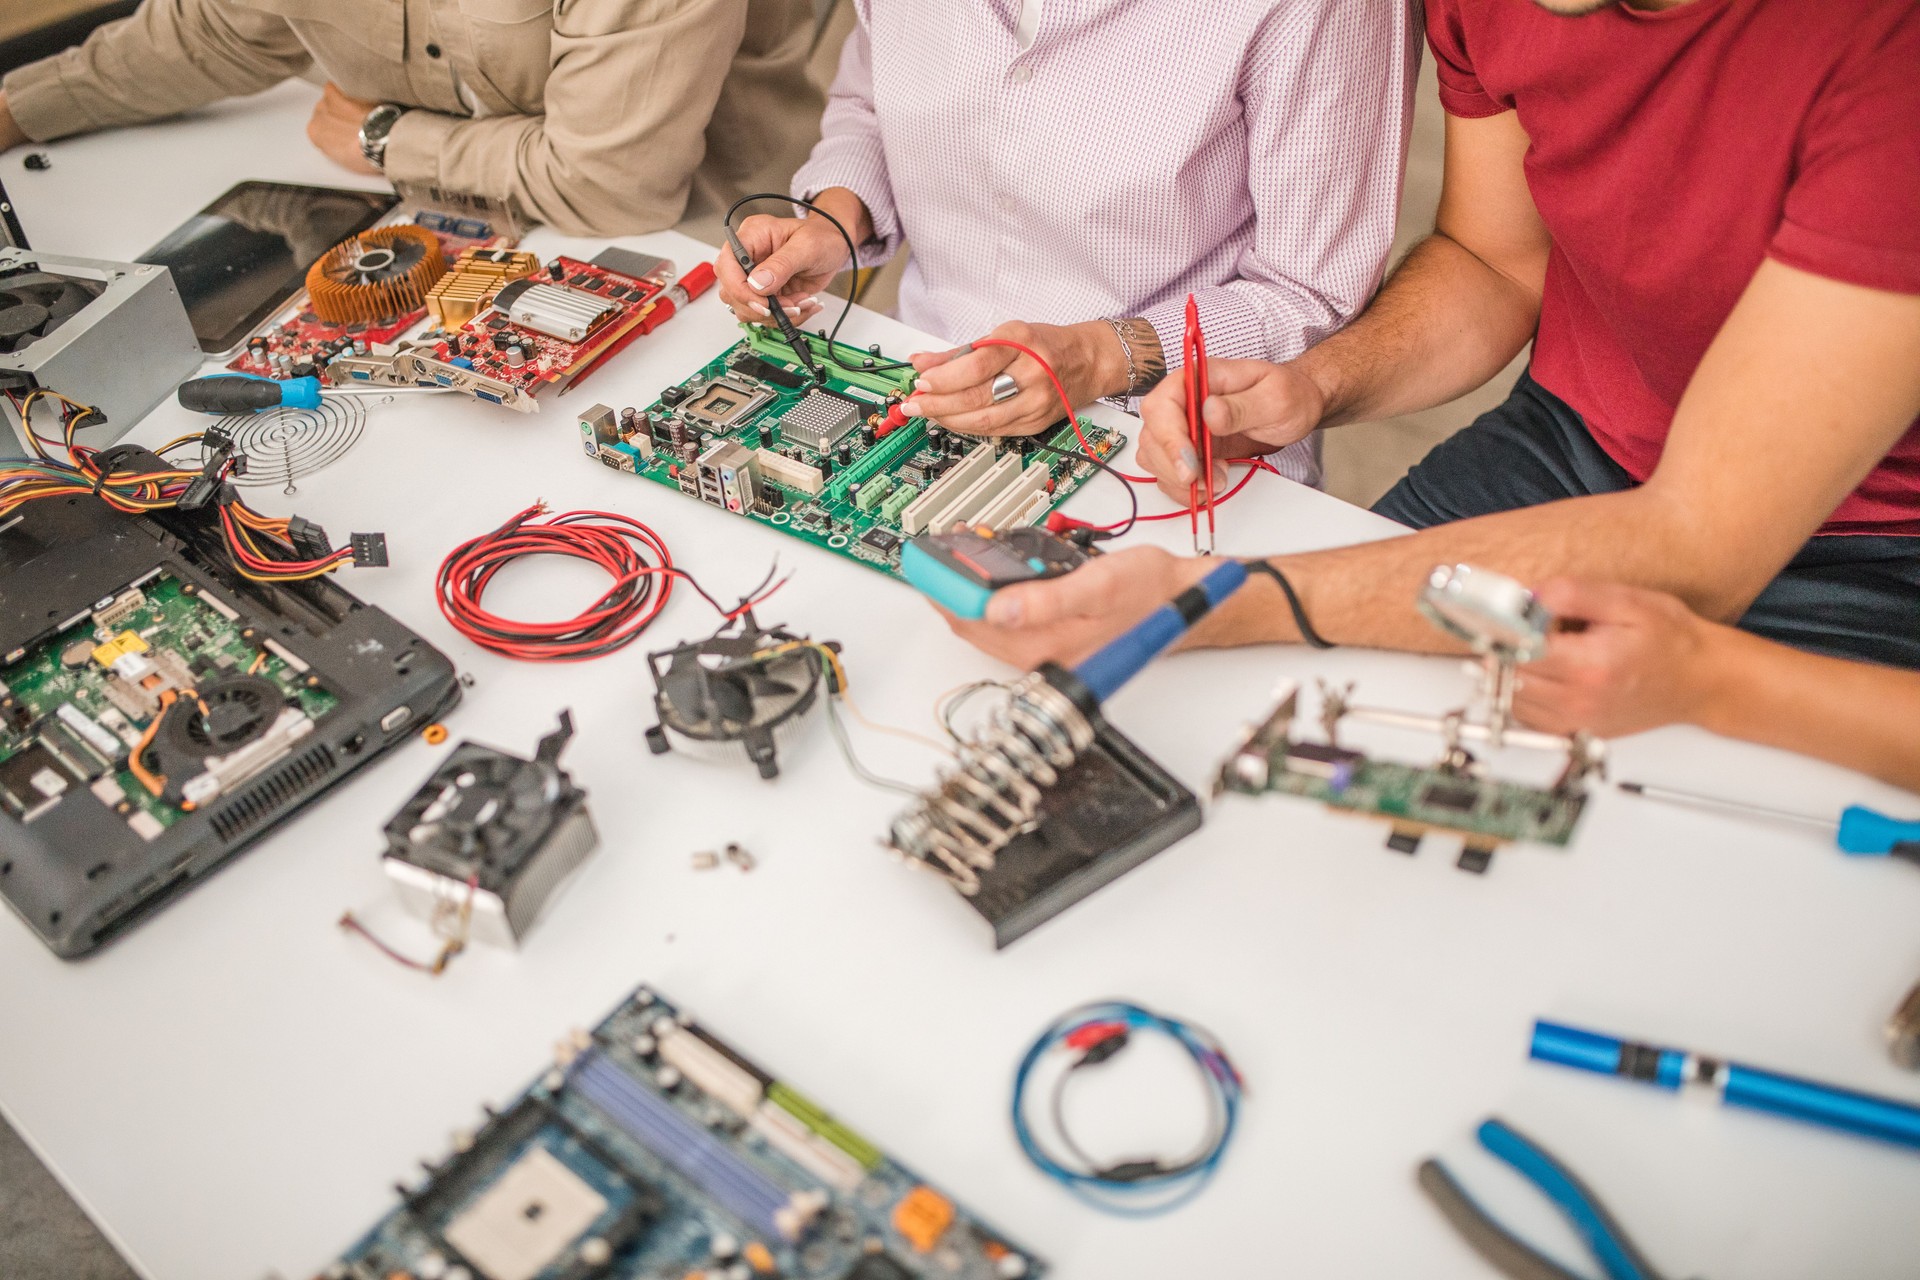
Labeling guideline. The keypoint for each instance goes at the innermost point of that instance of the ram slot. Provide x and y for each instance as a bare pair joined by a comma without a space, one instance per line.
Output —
689,1150
830,1130
791,1138
948,487
978,496
712,1070
878,457
1015,505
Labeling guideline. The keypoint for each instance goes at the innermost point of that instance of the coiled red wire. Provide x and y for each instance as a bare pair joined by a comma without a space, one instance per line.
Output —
632,554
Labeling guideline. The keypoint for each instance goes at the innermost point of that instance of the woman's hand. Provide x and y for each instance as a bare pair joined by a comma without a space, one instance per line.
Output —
956,387
1632,660
795,258
1252,408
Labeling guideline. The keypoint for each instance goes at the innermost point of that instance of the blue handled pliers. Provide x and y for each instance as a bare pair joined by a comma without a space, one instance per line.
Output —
1616,1253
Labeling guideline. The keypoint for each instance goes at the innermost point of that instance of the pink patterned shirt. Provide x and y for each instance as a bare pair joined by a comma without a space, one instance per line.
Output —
1063,160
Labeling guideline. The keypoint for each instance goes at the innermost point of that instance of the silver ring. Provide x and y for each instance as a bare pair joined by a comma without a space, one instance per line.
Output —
1005,388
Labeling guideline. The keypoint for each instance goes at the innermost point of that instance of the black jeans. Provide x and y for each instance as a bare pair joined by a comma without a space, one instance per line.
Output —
1850,596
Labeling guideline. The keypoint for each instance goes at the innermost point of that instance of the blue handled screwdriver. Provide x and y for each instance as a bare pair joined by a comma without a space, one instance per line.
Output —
250,393
1861,831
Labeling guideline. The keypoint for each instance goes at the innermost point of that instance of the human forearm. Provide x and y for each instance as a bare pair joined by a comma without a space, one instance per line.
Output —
1364,595
10,134
1853,714
165,59
1443,324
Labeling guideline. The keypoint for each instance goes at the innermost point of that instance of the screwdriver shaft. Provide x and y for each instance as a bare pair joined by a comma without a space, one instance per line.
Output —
1719,804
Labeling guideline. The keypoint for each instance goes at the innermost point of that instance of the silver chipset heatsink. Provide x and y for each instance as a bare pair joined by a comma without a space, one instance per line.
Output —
820,421
556,310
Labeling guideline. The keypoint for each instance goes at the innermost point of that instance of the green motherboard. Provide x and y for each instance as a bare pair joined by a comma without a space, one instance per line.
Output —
81,708
754,434
1452,797
1417,799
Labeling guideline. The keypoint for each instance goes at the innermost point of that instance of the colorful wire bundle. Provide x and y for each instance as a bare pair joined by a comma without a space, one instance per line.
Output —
259,544
1140,1187
633,555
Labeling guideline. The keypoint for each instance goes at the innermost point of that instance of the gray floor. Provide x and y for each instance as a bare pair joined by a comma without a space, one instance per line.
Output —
43,1234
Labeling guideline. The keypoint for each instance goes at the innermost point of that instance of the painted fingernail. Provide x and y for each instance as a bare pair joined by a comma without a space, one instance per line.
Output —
912,409
760,307
1004,610
1189,462
760,281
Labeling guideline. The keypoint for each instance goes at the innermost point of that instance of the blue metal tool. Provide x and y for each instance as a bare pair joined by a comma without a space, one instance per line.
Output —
1738,1086
1860,831
1612,1248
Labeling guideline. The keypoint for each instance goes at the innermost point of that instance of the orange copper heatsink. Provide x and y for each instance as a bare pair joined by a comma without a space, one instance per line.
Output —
471,282
376,275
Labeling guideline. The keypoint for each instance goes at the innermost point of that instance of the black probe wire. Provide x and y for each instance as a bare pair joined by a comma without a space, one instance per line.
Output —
870,362
1122,1172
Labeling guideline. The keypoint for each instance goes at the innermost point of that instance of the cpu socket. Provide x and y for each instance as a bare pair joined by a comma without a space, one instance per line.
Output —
724,404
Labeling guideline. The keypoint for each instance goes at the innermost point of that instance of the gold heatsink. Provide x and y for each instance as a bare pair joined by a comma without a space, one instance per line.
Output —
377,275
471,283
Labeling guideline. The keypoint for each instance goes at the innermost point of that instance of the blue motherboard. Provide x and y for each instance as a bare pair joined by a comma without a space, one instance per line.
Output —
652,1151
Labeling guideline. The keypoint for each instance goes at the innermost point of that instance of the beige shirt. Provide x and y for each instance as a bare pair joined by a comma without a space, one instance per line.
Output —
597,117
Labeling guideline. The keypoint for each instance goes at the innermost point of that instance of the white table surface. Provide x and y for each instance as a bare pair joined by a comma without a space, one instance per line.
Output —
231,1089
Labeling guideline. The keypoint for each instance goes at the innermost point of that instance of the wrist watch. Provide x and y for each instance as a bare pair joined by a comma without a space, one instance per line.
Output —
374,130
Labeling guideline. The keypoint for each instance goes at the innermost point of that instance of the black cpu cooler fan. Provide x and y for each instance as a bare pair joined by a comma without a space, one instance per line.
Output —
35,303
494,830
738,687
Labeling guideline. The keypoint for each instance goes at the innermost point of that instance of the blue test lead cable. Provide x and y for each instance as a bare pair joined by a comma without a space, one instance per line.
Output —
1866,1114
1138,1187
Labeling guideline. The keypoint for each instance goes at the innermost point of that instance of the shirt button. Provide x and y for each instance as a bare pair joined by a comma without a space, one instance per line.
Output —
1022,73
433,50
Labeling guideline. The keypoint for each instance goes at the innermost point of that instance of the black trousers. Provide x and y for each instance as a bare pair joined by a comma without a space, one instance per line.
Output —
1849,596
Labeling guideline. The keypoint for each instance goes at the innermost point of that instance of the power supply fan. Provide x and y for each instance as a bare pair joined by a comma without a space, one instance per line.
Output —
35,303
376,275
746,687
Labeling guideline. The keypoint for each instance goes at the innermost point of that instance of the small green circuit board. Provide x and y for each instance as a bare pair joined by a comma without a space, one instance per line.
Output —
815,461
179,633
1426,799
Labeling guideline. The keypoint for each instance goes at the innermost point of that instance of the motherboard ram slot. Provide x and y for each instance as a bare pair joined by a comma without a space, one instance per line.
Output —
742,1190
769,345
900,444
830,1130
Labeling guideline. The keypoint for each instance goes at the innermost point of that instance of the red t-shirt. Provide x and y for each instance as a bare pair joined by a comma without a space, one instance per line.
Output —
1672,151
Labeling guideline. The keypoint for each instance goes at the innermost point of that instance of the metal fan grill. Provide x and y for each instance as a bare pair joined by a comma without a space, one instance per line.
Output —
286,445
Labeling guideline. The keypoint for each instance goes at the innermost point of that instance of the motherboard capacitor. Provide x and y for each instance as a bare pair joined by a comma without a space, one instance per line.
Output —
516,356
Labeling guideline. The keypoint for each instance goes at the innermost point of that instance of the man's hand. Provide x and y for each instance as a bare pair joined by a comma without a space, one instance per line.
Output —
796,258
955,388
334,128
1252,408
1641,660
1065,619
10,132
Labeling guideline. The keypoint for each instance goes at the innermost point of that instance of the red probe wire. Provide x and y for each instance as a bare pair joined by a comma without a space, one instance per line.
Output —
632,554
1255,464
1194,358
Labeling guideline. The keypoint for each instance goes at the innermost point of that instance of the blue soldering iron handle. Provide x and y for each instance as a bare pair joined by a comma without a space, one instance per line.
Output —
1868,832
1823,1104
1125,656
1608,1055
